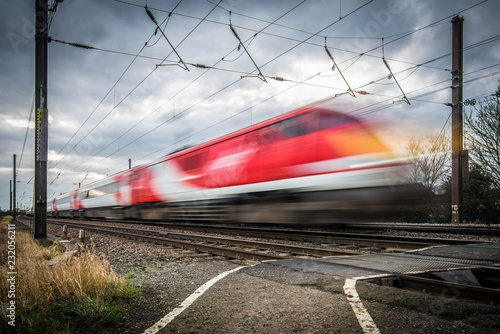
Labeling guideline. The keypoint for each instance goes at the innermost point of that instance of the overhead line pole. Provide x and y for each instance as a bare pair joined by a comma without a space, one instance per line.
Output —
41,124
457,120
14,188
10,200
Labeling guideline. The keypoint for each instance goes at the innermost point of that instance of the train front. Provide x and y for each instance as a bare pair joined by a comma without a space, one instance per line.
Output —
331,169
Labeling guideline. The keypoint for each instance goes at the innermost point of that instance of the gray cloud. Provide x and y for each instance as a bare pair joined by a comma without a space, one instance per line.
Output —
219,102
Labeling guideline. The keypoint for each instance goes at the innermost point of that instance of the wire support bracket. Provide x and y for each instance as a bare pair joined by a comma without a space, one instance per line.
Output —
260,75
391,75
335,66
151,16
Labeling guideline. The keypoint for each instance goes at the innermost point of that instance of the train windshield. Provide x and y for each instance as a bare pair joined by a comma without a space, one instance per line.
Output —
309,123
329,120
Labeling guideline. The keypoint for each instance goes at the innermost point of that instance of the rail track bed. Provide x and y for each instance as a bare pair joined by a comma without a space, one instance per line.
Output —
243,249
214,245
294,291
353,241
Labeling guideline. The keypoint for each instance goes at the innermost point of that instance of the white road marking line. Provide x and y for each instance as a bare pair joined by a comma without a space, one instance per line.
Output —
364,318
186,303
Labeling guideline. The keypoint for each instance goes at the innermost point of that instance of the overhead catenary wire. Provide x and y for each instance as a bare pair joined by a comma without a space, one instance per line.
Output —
426,26
192,105
159,125
89,47
109,91
207,69
366,53
326,99
317,33
151,16
294,29
306,42
144,79
300,43
260,75
288,50
360,54
418,97
278,78
99,104
249,108
358,58
376,109
250,40
230,117
115,151
424,64
90,115
335,66
415,67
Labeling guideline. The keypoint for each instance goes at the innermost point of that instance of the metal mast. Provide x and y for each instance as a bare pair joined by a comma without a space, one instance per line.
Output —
457,120
41,127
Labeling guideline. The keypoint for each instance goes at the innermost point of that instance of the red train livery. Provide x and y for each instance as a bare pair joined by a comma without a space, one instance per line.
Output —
309,165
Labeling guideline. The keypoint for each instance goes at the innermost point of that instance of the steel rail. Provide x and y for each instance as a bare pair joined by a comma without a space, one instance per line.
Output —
165,237
450,289
316,236
366,240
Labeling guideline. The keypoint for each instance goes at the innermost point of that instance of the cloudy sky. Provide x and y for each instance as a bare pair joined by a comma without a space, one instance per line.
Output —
114,103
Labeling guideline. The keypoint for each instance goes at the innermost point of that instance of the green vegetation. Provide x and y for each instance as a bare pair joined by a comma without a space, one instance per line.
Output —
78,293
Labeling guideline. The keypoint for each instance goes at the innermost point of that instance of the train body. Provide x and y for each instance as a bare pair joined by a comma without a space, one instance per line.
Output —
312,164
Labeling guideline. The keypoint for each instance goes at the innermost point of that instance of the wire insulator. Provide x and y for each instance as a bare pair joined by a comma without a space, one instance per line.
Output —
202,66
234,32
386,65
278,78
151,16
80,45
328,52
470,102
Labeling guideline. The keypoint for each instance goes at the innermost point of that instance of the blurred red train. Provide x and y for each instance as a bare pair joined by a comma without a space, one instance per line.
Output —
309,165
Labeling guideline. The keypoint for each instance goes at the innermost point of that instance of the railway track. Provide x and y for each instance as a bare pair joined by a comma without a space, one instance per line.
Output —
424,228
222,246
261,251
335,239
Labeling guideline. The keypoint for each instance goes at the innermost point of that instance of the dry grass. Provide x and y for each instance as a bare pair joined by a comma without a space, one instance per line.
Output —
3,240
83,289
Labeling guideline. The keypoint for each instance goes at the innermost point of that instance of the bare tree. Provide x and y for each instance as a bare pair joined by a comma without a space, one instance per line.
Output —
483,136
430,158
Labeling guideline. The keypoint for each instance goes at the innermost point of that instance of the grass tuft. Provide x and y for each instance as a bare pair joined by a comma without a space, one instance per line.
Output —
82,291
